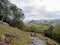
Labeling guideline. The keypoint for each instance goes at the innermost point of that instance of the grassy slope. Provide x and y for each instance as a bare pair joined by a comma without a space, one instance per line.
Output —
47,40
21,35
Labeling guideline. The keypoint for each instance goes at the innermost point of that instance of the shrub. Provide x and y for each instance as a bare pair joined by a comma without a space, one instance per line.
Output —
51,32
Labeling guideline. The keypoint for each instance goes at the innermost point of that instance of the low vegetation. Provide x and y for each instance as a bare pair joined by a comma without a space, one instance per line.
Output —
53,33
47,40
50,31
15,36
16,32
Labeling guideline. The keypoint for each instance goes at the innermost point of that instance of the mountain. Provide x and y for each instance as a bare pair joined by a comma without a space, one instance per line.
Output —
43,22
26,21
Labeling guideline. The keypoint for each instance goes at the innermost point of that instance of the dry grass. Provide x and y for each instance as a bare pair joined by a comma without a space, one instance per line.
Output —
47,40
21,35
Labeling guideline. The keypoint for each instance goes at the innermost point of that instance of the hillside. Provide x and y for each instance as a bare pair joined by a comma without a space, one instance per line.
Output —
13,31
14,35
19,37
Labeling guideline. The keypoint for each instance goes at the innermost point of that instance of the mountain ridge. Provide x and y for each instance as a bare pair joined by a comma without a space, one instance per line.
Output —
44,21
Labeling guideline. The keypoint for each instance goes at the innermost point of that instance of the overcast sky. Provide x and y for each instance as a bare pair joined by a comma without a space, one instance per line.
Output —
39,9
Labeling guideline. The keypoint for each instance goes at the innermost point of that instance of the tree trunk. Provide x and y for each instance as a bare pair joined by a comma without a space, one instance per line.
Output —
2,19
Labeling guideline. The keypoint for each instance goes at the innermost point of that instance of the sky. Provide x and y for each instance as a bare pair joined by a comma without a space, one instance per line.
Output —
39,9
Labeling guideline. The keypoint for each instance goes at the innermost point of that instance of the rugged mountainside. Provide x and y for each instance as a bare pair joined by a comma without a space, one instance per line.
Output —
43,22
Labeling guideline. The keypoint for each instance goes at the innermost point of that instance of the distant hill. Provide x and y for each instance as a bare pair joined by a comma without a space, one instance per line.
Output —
43,22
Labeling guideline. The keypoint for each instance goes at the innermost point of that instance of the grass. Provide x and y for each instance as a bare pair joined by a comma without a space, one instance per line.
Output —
47,40
21,35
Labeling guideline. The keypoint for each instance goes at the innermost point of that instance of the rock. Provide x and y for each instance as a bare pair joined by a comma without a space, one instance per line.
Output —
32,34
4,23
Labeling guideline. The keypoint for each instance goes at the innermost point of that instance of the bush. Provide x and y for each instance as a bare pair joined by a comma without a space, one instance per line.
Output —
31,28
18,24
56,35
51,32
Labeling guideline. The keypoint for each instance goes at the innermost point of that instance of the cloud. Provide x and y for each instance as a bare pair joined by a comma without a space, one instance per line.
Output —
39,9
